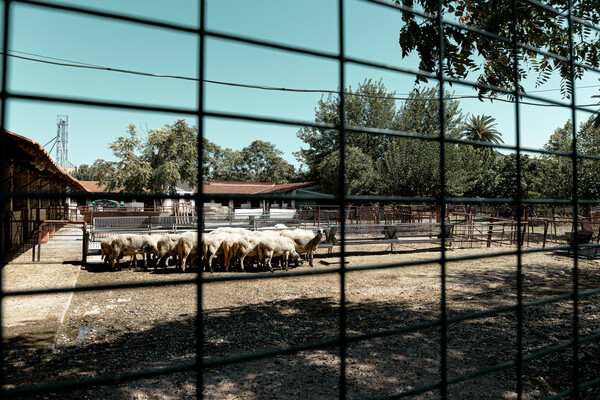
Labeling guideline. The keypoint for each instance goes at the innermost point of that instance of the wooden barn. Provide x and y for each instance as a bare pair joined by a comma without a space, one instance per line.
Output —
29,168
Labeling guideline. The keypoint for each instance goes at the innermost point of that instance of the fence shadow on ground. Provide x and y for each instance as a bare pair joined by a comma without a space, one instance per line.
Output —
375,367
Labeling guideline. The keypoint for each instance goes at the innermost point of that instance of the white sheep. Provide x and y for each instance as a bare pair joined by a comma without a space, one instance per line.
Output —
167,247
187,245
230,229
212,246
230,246
247,246
106,248
131,245
275,245
306,241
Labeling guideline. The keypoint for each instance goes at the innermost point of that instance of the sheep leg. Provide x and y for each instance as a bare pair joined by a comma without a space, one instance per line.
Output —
210,259
184,260
119,263
162,262
226,259
205,258
242,262
269,256
284,260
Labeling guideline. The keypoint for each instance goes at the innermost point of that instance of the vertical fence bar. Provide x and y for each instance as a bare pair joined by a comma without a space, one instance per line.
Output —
200,202
342,202
442,203
3,191
575,202
518,201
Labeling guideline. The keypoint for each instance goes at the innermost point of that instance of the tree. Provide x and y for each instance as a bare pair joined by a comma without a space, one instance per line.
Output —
492,60
401,165
369,106
359,172
411,166
90,172
506,183
420,113
258,162
131,173
171,153
481,128
263,163
210,166
559,168
157,163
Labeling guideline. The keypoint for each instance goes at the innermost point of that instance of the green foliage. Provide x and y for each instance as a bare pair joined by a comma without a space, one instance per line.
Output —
131,173
398,165
171,153
420,114
359,172
559,169
168,155
92,172
481,128
258,162
369,106
410,167
533,176
492,60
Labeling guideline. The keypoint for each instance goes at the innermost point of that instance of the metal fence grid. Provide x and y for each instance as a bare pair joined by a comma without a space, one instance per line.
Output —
344,339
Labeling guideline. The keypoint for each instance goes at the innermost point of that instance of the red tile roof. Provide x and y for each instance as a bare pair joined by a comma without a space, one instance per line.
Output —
93,186
288,187
235,187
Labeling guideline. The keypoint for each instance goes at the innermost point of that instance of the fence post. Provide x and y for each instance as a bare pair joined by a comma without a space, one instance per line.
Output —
36,234
39,254
85,245
545,234
490,230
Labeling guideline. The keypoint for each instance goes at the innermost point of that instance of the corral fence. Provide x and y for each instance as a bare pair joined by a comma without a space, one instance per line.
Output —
52,238
487,232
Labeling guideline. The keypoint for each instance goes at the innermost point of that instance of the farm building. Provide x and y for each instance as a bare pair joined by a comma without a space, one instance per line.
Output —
255,188
29,168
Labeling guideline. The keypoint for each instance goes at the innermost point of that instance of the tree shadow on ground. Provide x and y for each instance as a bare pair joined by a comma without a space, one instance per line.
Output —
376,367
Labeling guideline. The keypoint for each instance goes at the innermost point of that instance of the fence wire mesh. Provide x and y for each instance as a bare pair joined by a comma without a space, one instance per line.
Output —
436,323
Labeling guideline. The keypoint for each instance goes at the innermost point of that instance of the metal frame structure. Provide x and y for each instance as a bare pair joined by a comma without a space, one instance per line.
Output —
344,338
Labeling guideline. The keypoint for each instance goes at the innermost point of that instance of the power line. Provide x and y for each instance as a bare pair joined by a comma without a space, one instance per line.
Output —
77,64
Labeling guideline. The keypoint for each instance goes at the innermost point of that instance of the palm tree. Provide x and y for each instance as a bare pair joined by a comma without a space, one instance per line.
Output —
481,128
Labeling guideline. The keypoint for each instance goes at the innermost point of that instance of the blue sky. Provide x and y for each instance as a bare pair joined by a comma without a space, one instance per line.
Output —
371,34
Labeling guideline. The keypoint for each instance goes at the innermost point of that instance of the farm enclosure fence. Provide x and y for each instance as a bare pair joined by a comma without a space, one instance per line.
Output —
344,339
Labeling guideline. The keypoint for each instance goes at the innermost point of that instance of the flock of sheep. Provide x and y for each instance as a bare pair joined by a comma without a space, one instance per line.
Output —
231,246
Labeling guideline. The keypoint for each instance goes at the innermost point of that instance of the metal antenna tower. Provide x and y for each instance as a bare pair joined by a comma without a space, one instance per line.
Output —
62,137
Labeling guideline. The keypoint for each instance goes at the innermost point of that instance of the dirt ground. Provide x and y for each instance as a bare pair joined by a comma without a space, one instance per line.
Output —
98,333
